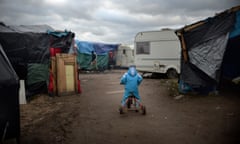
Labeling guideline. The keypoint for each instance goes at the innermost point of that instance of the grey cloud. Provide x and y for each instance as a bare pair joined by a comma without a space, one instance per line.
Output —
155,7
110,20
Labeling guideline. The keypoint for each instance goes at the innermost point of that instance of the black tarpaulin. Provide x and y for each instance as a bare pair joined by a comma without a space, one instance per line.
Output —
8,75
211,29
9,101
30,28
24,45
28,49
204,46
231,61
209,55
64,42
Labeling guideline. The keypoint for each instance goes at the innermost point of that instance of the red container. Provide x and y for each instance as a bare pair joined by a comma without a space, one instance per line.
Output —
54,51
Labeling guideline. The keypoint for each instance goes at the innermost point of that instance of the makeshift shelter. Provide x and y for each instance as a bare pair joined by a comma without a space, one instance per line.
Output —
210,51
84,54
64,79
28,49
9,100
61,42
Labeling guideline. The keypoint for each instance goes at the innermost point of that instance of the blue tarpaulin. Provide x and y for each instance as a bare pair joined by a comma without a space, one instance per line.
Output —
100,48
236,31
84,47
58,33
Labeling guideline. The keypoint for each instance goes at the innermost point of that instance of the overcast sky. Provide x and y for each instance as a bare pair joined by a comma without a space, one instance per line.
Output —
110,21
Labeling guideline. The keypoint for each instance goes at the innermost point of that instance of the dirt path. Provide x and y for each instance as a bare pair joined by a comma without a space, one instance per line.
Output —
93,117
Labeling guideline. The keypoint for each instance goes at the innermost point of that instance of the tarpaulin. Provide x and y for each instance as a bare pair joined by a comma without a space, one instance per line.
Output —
206,45
9,100
31,28
28,49
37,73
84,47
63,40
8,75
212,49
36,88
208,56
23,47
25,28
231,60
84,62
58,33
211,29
236,31
100,48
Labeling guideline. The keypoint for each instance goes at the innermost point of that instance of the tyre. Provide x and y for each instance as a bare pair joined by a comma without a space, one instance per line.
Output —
129,102
172,73
144,110
121,110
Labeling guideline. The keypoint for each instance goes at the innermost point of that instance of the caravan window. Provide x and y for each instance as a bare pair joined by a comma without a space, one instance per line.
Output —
124,51
143,47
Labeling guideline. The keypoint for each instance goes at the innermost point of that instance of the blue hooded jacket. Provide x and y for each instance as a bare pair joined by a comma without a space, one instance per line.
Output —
131,79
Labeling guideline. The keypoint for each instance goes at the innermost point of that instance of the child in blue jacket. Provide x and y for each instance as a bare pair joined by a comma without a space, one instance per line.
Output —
131,79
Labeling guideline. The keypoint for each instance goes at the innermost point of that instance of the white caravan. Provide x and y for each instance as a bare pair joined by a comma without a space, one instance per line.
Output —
125,56
157,52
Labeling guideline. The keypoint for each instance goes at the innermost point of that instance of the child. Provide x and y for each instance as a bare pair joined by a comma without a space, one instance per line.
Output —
131,79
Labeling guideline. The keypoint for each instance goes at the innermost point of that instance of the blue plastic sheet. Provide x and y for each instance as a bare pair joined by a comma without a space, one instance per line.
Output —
58,33
100,48
236,31
84,47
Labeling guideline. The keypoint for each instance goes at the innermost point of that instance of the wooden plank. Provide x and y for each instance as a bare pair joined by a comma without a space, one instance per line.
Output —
184,48
67,74
76,73
193,26
60,74
234,9
70,78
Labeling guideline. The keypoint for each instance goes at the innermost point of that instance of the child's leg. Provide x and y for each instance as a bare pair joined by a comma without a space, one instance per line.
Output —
124,99
138,99
136,94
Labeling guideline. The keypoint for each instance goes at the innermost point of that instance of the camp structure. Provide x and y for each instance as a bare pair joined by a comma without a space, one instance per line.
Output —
125,56
104,54
157,52
210,52
9,101
28,48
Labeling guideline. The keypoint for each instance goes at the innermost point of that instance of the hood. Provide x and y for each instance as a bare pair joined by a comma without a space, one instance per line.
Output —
132,71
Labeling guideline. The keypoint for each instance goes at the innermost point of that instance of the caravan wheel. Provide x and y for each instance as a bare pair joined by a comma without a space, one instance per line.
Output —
172,73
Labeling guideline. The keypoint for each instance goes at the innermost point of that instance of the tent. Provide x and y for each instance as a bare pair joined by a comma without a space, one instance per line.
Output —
84,54
9,101
28,49
210,52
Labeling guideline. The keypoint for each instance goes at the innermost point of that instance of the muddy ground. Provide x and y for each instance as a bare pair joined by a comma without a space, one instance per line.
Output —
93,118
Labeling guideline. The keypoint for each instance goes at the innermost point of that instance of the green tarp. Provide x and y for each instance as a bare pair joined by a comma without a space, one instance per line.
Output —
84,62
37,73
